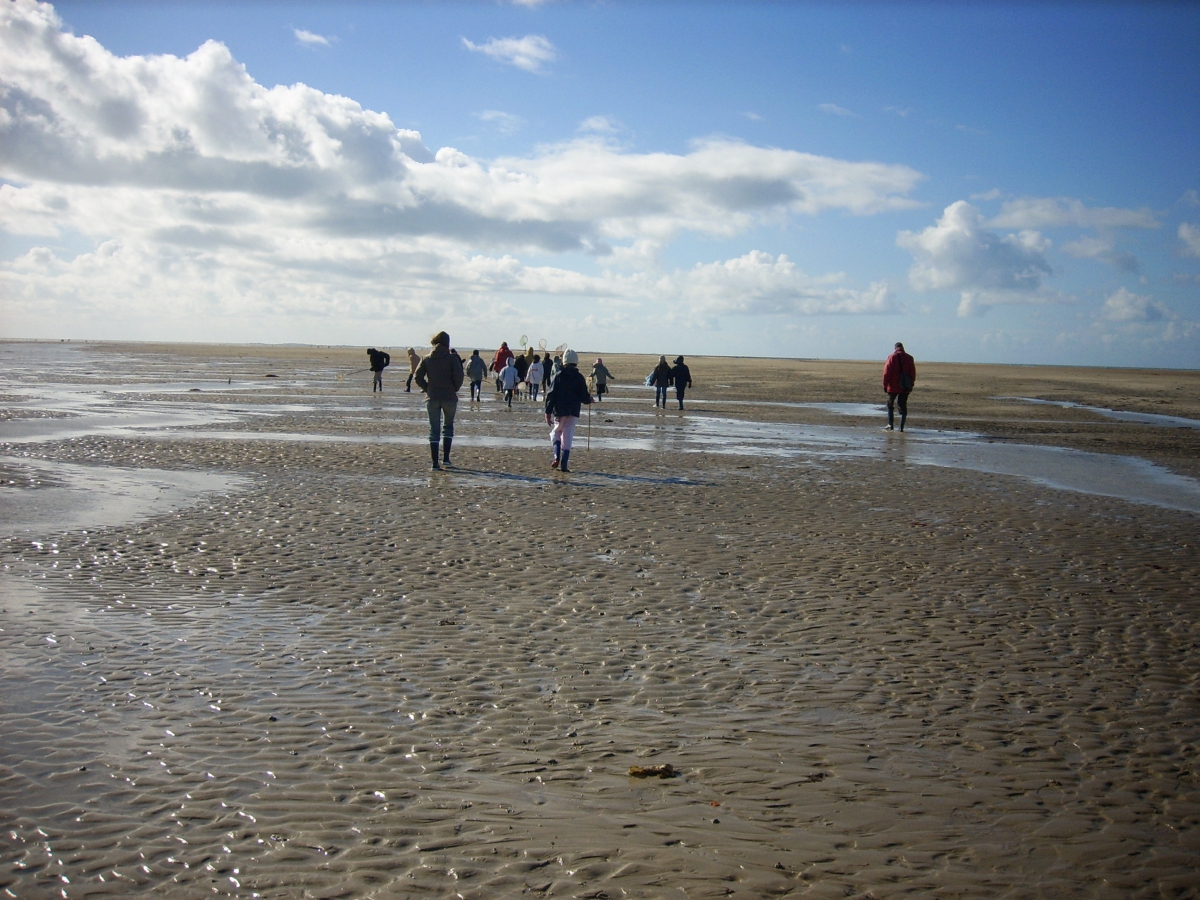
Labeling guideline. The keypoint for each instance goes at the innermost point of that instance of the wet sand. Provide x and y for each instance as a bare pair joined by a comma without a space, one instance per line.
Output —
341,676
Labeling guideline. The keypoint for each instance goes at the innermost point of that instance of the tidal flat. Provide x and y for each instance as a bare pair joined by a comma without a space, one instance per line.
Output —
252,647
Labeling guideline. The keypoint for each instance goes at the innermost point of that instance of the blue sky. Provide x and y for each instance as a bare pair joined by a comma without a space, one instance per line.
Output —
986,182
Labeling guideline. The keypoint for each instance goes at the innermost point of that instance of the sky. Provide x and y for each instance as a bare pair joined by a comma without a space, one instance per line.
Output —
986,182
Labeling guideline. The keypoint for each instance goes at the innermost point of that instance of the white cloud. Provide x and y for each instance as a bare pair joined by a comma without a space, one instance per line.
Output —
1052,212
754,284
834,110
1124,306
987,268
530,53
1103,249
759,284
193,181
1190,235
600,125
309,38
505,123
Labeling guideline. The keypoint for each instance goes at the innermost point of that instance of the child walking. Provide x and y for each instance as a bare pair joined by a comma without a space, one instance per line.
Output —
567,396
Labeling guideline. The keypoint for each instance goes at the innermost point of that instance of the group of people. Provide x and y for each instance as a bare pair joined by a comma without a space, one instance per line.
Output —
441,373
665,375
528,373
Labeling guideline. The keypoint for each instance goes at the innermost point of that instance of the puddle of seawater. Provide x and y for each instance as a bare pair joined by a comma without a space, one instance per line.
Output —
1123,477
99,496
493,426
1106,475
1122,415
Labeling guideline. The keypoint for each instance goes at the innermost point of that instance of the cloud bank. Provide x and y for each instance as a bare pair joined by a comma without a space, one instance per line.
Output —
1125,306
192,181
987,268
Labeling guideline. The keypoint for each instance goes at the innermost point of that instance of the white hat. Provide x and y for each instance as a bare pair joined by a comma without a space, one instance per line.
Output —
570,358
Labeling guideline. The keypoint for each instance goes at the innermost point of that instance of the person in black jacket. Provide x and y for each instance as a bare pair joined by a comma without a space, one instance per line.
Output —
661,379
682,377
566,397
440,375
380,360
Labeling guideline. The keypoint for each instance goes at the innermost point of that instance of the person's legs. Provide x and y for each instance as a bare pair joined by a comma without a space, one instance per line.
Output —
567,433
408,384
679,389
449,408
903,408
600,388
508,398
434,410
556,442
891,404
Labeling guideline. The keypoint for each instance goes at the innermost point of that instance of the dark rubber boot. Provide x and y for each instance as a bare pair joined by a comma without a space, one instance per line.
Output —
433,454
557,454
446,444
902,418
566,454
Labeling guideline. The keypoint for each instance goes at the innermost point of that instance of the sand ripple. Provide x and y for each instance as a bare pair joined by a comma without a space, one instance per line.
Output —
327,686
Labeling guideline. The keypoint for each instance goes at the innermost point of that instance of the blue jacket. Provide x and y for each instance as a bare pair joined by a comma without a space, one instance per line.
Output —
568,393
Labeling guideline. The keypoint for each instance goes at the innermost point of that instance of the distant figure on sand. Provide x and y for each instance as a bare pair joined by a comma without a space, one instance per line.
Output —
661,379
563,403
510,377
413,362
899,376
600,376
440,375
476,370
533,377
682,376
380,360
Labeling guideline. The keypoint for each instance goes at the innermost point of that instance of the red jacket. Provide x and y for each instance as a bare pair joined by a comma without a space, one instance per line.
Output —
898,365
500,360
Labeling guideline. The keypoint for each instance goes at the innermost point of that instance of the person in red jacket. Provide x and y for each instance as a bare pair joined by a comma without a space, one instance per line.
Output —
899,376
